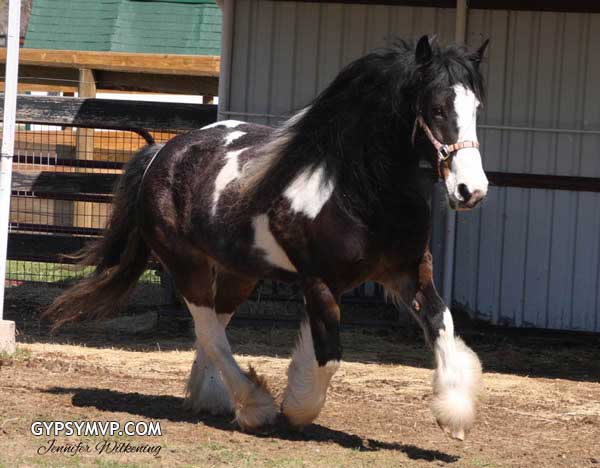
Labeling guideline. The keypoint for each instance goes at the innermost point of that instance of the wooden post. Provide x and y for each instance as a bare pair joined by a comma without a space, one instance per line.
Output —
85,136
84,149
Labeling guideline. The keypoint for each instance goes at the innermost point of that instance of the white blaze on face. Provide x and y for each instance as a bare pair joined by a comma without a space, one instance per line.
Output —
466,167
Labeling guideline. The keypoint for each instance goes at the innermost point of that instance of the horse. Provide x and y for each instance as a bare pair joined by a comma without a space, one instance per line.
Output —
332,198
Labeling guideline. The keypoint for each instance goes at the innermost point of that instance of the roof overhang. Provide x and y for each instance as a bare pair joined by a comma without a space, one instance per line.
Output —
581,6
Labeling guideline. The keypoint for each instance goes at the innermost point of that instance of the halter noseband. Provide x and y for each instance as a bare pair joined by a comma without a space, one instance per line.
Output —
443,151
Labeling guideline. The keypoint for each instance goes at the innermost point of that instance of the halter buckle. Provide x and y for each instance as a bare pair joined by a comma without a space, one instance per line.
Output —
443,153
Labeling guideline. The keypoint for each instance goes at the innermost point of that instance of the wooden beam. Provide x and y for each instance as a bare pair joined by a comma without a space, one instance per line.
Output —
574,6
85,136
538,181
167,64
36,78
83,212
52,79
112,113
157,83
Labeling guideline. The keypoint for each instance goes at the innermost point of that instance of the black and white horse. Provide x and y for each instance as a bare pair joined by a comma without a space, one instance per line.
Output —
333,198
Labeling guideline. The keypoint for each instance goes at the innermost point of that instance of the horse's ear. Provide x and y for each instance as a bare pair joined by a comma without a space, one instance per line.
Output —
423,53
478,57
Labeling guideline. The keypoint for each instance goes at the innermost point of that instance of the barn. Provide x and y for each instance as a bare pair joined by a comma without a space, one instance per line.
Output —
529,257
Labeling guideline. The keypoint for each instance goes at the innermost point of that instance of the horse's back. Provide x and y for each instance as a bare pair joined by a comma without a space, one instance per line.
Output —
192,197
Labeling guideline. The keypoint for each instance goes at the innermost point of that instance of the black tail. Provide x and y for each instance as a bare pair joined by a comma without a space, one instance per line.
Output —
120,256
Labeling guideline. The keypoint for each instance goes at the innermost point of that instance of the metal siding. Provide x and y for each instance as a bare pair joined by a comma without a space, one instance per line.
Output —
297,48
526,257
537,250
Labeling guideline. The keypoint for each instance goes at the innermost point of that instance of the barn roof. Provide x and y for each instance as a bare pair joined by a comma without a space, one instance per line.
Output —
150,26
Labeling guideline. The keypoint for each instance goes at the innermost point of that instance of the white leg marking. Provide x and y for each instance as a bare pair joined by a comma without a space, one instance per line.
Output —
229,172
309,191
466,167
231,137
205,392
456,382
264,241
307,385
254,405
224,123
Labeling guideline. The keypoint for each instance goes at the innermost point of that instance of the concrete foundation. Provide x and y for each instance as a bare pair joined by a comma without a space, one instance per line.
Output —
7,337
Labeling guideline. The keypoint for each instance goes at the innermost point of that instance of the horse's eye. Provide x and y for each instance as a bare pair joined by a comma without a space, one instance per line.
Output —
438,111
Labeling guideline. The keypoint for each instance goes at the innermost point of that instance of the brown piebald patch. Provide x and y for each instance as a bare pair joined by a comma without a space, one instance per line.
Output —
317,293
444,168
425,270
231,291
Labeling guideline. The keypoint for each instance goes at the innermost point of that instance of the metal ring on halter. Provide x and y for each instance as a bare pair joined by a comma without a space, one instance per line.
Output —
443,153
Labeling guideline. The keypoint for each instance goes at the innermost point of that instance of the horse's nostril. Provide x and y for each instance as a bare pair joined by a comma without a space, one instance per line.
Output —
464,192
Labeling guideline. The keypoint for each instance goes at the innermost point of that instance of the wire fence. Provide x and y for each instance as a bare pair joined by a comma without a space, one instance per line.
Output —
45,148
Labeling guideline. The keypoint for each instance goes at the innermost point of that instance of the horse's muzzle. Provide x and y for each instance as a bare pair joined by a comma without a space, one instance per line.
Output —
469,200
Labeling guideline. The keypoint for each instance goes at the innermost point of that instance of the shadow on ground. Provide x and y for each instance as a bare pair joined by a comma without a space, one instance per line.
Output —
157,407
534,353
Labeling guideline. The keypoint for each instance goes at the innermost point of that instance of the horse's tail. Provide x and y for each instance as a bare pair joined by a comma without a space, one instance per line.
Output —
120,256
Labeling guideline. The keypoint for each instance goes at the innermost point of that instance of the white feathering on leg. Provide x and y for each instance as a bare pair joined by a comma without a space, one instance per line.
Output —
306,390
205,391
456,382
254,404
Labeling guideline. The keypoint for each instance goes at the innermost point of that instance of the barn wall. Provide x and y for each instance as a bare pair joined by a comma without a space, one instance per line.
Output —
530,257
527,257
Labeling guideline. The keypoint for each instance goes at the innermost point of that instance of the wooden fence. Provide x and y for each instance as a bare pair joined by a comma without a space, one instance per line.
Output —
57,175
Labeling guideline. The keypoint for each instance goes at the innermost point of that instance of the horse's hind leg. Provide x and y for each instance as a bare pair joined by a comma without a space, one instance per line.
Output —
205,390
316,357
247,394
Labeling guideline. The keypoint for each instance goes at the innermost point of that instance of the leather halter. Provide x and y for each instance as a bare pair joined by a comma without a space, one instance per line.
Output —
443,151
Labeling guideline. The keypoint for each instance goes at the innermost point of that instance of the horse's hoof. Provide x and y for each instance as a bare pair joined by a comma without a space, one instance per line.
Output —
203,407
258,414
456,434
296,418
256,409
289,424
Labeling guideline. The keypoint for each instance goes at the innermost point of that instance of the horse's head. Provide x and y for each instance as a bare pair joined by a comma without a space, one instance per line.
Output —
449,92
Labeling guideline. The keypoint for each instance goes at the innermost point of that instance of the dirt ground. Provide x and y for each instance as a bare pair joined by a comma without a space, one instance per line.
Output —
541,406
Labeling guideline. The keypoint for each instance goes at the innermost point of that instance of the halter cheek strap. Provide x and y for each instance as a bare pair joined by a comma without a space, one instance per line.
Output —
443,151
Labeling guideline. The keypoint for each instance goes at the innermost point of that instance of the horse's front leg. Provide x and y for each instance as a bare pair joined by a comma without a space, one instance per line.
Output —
457,377
316,357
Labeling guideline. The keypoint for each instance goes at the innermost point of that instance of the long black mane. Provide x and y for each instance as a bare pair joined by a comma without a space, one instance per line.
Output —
359,128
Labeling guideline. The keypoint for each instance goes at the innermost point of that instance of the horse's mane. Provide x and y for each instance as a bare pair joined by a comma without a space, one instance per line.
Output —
358,129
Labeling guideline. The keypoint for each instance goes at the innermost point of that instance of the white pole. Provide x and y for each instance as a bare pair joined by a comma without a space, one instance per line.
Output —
460,36
8,146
